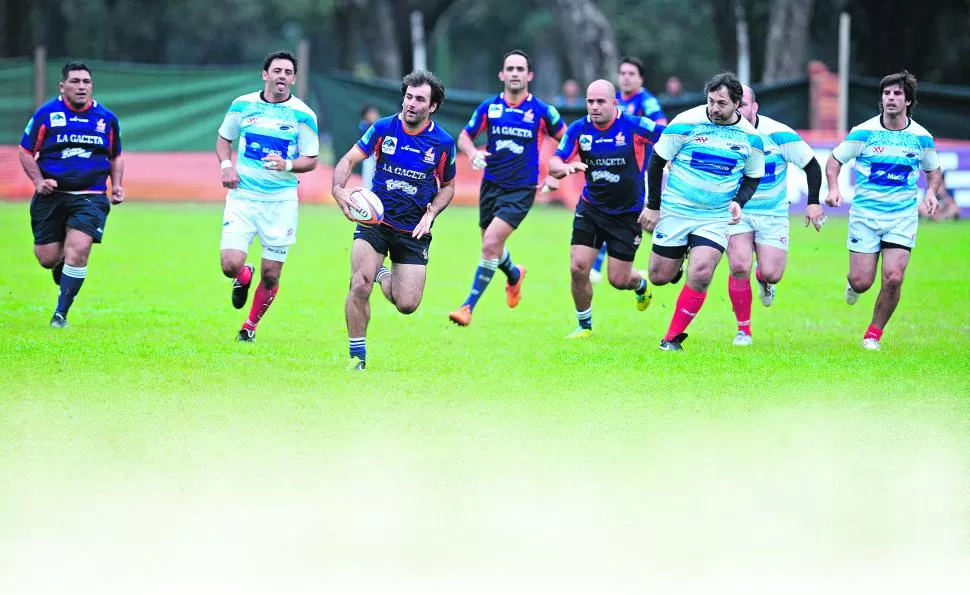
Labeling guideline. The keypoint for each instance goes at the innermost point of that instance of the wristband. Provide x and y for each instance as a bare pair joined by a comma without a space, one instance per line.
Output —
225,163
288,164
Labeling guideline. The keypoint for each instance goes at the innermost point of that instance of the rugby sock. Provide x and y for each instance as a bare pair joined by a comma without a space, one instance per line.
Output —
358,347
483,275
381,273
585,318
71,281
261,303
245,275
600,259
508,267
873,333
740,292
757,275
689,303
643,287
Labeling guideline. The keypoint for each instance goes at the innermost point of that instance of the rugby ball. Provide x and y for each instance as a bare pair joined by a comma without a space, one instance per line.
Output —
366,207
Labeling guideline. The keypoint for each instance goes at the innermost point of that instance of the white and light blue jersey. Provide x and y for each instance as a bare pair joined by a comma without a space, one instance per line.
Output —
887,164
707,162
782,146
288,129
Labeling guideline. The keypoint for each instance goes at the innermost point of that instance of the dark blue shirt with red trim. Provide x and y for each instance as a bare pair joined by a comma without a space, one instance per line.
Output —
74,147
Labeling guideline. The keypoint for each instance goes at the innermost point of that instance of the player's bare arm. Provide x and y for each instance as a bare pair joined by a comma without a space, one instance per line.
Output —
832,168
41,184
117,174
467,146
559,170
934,179
341,175
230,179
439,203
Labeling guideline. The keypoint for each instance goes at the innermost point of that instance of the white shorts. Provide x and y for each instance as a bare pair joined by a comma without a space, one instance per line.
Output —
274,221
675,231
866,235
769,230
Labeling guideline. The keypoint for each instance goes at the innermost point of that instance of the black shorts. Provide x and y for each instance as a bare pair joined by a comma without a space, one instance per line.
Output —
510,206
621,233
399,244
52,213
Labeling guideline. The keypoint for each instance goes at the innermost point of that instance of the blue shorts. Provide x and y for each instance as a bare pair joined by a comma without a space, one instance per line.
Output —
51,215
510,206
402,248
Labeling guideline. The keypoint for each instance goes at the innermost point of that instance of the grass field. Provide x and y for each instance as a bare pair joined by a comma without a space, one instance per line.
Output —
144,451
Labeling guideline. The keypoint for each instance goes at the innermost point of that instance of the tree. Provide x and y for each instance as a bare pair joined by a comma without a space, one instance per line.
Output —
591,48
787,40
15,33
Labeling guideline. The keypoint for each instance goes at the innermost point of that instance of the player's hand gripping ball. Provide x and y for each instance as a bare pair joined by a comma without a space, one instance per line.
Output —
366,207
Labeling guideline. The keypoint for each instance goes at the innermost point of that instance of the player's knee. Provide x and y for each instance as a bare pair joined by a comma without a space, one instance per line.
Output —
492,246
741,270
407,305
892,280
657,277
860,282
47,260
578,270
230,266
270,279
361,286
619,280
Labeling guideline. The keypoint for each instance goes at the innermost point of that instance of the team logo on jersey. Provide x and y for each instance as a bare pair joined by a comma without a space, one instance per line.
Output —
389,145
585,142
99,127
58,119
495,111
528,116
620,139
429,155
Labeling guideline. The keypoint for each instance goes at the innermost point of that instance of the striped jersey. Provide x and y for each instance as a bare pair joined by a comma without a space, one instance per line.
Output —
707,162
287,129
887,164
782,146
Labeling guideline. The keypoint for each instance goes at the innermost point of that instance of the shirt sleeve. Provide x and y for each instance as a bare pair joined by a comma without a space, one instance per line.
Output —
929,160
368,142
852,146
672,139
648,129
308,140
34,133
230,124
479,121
554,122
446,166
754,165
569,145
114,143
793,148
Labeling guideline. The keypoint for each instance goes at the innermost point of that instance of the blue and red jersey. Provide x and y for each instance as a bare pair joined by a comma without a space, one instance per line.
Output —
515,135
74,147
615,156
410,168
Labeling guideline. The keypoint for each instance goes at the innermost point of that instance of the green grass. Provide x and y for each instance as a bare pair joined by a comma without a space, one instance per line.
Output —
144,451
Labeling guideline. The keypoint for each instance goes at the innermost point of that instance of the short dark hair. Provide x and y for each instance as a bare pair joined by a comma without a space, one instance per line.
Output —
280,55
905,80
71,67
634,61
528,63
423,77
727,80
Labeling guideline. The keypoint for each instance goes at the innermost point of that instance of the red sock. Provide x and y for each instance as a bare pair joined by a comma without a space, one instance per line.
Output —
688,304
261,303
740,292
757,275
245,275
873,333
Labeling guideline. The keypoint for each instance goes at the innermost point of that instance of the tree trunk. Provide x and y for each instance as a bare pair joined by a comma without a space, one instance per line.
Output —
725,27
16,32
787,39
381,39
744,46
592,51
